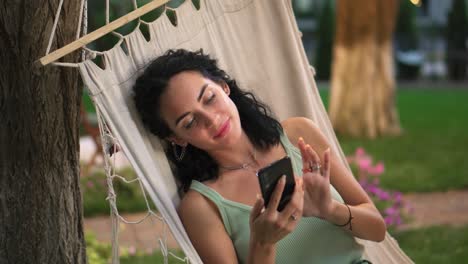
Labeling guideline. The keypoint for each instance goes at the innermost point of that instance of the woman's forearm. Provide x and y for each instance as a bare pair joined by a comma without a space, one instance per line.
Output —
366,222
259,253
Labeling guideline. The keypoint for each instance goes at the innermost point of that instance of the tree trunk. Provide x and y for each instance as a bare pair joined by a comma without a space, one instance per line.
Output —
362,96
40,199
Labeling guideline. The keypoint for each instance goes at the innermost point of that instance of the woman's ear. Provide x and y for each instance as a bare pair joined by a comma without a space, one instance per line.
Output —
177,140
225,87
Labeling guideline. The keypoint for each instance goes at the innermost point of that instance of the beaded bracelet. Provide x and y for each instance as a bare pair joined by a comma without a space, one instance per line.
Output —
349,219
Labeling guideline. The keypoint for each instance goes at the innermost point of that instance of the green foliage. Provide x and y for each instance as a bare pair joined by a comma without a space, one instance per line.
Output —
325,33
118,8
129,195
438,244
97,252
457,35
431,153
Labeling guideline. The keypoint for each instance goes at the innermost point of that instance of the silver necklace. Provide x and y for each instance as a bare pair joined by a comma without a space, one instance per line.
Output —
243,166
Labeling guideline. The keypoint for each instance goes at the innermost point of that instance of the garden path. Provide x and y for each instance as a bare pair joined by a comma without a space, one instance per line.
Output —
438,208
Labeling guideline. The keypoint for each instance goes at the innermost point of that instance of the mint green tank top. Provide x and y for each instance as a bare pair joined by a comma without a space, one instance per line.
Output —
313,241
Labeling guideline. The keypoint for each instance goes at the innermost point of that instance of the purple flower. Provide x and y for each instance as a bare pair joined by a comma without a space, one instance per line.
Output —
367,176
391,211
383,195
397,196
388,220
372,189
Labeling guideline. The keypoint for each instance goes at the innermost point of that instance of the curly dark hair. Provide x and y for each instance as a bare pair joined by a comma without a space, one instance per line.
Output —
256,119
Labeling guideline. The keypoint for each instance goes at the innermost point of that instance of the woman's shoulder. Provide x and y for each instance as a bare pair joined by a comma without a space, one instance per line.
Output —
296,127
195,205
205,228
192,199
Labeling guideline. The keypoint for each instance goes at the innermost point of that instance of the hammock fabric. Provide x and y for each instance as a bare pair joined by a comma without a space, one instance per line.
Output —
258,43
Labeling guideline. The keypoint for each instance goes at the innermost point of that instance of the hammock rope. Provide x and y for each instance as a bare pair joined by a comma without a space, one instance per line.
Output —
109,141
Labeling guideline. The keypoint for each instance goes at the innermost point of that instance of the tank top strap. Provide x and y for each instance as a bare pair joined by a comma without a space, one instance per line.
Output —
293,152
214,197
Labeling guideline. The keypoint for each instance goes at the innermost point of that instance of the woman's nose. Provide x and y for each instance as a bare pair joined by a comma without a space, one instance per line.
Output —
211,119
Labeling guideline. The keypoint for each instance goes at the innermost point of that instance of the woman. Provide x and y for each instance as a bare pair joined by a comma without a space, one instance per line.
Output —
218,137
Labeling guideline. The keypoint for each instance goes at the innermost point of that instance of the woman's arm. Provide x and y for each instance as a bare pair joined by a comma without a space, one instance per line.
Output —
367,223
205,229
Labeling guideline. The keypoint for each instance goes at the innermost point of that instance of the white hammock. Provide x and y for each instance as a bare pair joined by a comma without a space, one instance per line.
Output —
258,43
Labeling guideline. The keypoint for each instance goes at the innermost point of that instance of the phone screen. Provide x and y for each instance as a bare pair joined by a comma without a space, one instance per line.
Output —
269,177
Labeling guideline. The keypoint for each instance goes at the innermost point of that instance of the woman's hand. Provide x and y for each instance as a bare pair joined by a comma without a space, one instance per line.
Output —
267,225
316,177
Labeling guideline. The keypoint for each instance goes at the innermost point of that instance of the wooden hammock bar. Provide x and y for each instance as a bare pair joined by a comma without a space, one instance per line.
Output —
79,43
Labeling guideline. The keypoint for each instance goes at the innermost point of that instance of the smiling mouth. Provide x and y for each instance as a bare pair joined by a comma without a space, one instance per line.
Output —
223,129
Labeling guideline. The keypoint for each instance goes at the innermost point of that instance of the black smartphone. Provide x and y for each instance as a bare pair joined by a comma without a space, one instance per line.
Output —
269,177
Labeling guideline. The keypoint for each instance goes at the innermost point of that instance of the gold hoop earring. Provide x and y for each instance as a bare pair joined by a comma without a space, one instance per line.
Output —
178,156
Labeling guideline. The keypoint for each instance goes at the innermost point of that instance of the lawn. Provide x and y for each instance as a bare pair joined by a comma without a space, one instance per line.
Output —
431,153
438,244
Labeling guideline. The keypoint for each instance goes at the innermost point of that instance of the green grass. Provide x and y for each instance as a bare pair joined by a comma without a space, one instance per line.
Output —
431,154
440,244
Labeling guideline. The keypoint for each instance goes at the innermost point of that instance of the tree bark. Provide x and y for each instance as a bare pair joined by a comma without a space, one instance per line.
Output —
362,96
40,199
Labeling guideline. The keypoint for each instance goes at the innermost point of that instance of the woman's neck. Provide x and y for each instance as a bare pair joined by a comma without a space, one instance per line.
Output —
242,153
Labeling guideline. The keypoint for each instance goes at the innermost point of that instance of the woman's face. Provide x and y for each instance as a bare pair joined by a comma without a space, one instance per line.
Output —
200,112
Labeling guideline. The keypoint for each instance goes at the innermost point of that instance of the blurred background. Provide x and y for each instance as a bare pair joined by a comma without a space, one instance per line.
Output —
393,77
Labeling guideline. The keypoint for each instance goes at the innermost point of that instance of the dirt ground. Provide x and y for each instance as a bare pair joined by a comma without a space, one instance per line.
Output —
441,208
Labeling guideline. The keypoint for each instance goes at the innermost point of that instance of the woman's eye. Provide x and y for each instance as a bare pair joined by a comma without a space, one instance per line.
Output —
190,124
210,99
